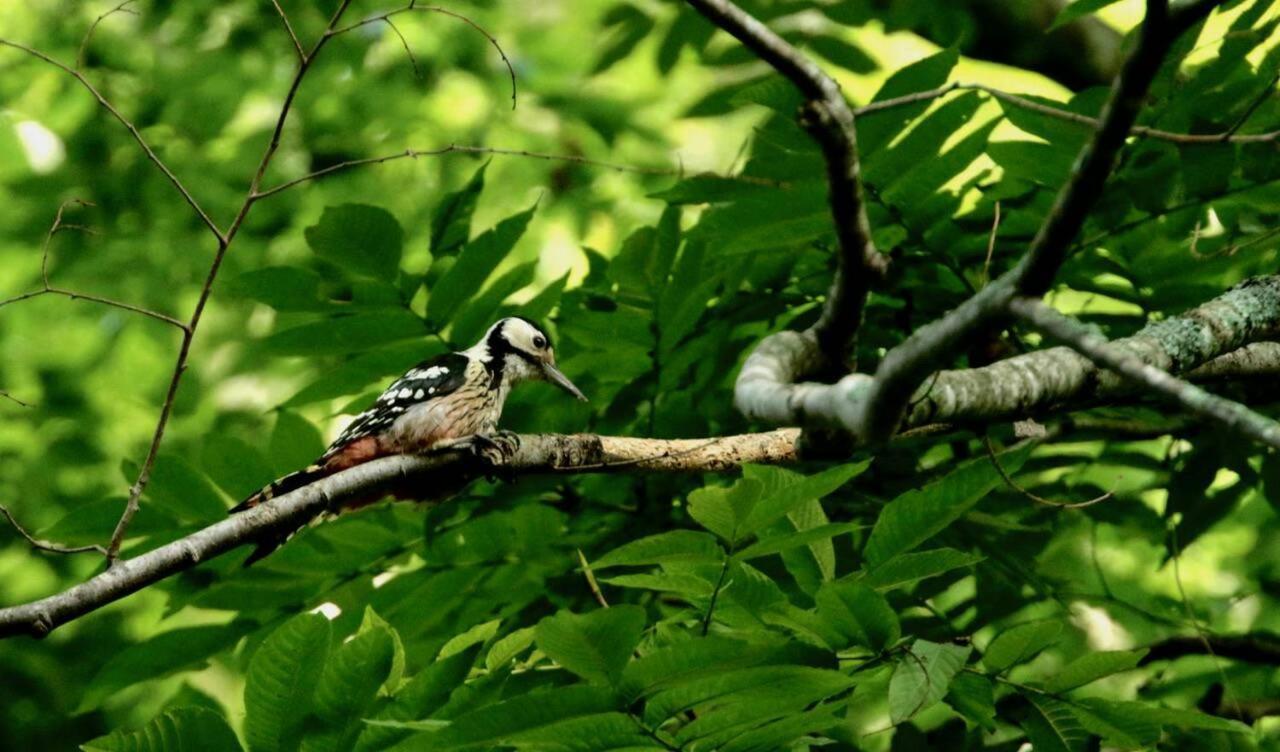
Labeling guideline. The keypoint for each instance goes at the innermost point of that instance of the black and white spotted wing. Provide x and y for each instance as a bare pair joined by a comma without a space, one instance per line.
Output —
431,379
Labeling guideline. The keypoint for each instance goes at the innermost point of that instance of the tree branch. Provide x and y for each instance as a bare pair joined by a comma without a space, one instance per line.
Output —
1228,413
829,120
1223,338
543,453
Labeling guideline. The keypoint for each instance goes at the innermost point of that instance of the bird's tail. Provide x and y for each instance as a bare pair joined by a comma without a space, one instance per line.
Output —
277,488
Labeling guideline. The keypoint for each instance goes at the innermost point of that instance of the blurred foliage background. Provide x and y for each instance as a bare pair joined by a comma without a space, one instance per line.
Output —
656,278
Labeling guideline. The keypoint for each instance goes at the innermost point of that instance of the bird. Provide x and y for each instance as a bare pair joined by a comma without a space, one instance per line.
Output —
450,401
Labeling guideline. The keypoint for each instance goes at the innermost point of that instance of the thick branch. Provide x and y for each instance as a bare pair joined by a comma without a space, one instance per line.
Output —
1230,414
543,453
829,120
1210,342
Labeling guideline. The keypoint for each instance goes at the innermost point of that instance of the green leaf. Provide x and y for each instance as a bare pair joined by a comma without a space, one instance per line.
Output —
476,317
595,646
973,696
675,546
295,442
451,222
420,697
784,490
370,622
337,335
183,490
281,679
877,129
905,569
724,511
165,654
781,685
920,514
859,614
477,635
284,288
1050,725
477,260
1093,666
187,729
1137,724
362,239
688,659
235,466
506,649
1079,9
348,686
504,720
1020,644
923,676
778,543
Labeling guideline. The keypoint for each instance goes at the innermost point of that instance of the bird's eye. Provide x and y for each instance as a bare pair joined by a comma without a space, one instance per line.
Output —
539,342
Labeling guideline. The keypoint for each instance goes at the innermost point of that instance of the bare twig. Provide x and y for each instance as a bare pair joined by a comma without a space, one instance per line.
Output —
535,454
413,61
498,151
413,6
1231,415
13,399
133,131
591,580
1193,618
1011,483
288,27
40,545
88,35
47,288
224,243
991,247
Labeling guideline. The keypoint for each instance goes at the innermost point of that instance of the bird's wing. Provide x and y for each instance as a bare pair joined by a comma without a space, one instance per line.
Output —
431,379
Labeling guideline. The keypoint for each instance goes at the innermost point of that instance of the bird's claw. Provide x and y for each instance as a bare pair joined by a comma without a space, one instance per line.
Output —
494,450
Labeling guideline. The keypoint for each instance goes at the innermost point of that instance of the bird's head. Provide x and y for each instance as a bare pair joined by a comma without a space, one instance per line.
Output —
522,350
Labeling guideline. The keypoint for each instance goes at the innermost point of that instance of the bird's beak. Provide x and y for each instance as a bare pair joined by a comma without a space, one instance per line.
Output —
562,381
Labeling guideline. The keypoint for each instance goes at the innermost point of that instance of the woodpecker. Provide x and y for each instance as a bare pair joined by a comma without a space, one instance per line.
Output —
451,400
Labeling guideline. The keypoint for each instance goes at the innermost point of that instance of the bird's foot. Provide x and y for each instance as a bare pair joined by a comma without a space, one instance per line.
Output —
494,450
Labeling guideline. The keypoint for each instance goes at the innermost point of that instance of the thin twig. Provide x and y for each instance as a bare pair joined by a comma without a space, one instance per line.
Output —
1011,483
991,247
413,61
1252,108
501,152
591,580
413,6
715,594
133,131
11,398
47,288
288,27
84,41
52,548
1195,620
